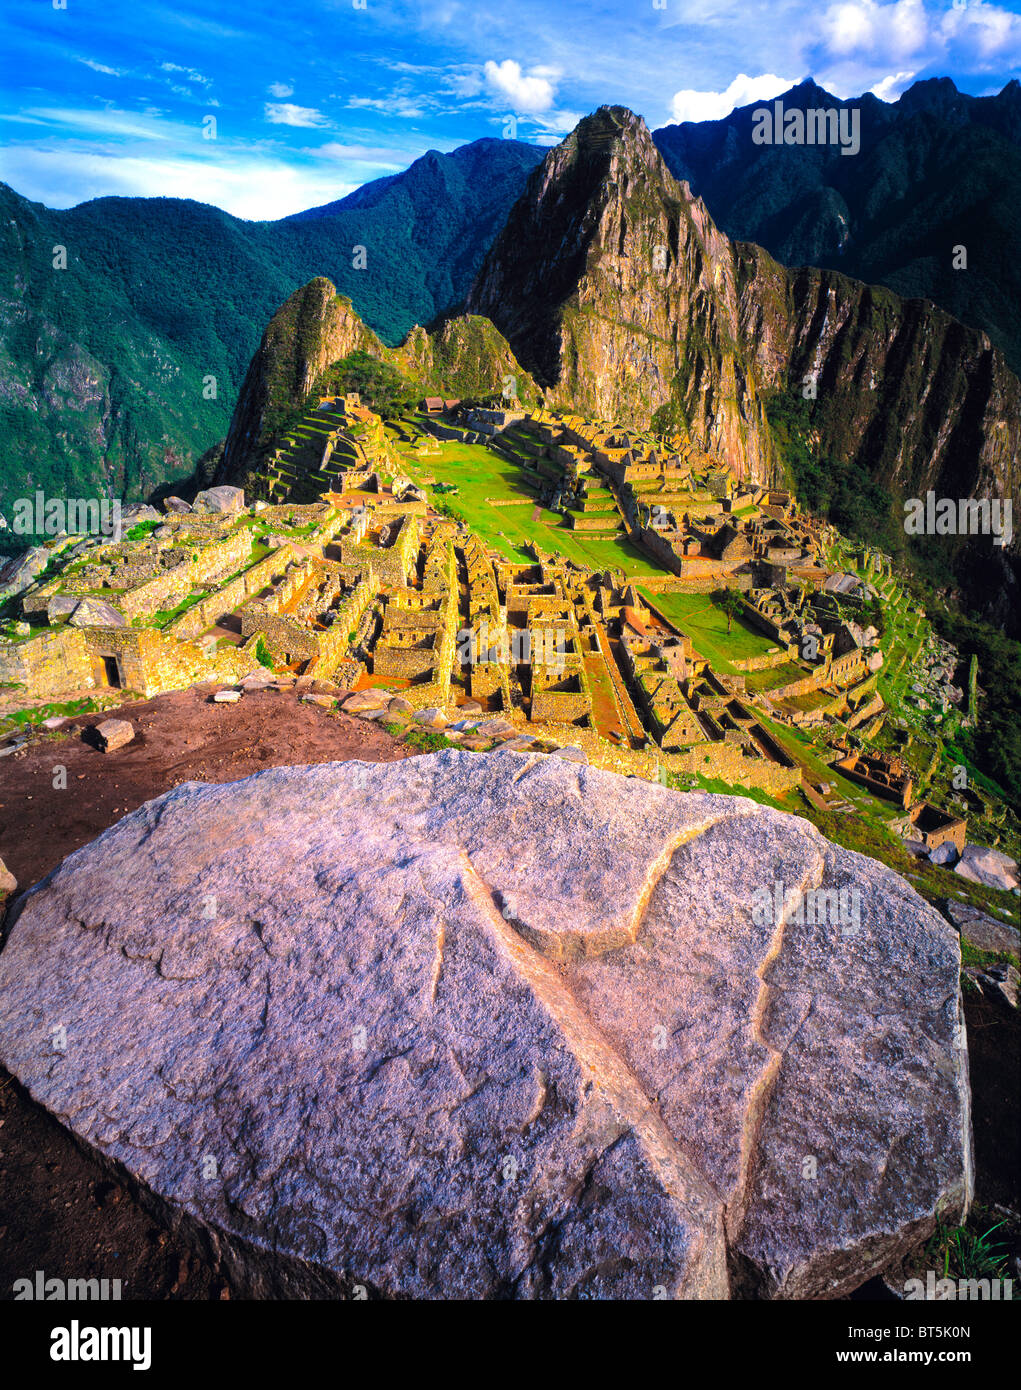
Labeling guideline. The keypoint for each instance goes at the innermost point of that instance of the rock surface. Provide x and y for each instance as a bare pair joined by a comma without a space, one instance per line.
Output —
984,931
96,612
219,499
989,866
509,1027
112,734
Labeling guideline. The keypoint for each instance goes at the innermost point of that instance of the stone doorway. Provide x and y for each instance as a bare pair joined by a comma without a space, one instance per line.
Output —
106,672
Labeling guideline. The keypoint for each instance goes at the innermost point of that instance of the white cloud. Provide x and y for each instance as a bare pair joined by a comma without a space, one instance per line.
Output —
892,87
690,105
286,113
376,155
100,67
862,39
984,32
254,186
108,123
898,30
409,108
280,90
527,92
189,74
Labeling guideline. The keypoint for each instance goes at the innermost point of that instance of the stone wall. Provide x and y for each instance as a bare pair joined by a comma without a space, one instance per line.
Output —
168,590
729,764
333,643
232,595
55,662
777,657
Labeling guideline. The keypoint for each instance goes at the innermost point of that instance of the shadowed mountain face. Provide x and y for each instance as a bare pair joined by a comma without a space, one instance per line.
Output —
935,170
613,285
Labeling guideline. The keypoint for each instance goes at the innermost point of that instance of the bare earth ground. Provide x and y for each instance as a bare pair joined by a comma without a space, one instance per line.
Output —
60,1211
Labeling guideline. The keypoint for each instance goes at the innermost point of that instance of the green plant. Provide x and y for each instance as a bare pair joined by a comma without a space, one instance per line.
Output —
427,740
261,652
142,529
964,1252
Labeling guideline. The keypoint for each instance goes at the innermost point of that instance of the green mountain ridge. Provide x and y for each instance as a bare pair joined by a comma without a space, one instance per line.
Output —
105,366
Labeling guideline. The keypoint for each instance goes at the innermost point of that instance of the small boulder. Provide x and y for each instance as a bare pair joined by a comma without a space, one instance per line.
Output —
946,853
431,718
570,754
219,499
55,721
177,505
226,697
363,700
134,512
497,728
988,866
96,612
398,705
984,931
8,883
323,701
60,607
112,734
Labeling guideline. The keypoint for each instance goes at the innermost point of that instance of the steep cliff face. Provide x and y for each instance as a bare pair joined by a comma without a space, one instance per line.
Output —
313,328
612,283
613,286
906,391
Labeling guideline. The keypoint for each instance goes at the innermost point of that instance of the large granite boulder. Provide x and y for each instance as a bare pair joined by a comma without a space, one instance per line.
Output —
503,1026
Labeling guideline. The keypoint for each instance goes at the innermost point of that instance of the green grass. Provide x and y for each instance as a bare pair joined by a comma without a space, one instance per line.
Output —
139,532
774,677
480,473
22,717
427,740
699,618
970,1251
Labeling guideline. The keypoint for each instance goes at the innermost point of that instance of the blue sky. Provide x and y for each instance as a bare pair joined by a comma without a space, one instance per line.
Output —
312,99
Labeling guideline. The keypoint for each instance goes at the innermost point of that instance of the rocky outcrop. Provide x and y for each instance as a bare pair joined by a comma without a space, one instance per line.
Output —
312,329
503,1027
464,356
613,285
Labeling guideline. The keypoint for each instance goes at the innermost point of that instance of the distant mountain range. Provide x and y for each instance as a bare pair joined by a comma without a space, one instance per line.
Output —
106,367
937,169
